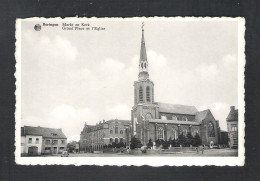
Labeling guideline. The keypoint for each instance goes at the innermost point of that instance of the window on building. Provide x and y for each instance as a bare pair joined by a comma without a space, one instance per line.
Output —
185,132
121,140
174,118
47,142
111,140
54,142
61,148
116,140
234,128
30,140
54,134
116,130
184,118
148,99
211,130
141,94
160,133
47,148
194,132
37,140
121,132
111,131
63,142
148,116
174,134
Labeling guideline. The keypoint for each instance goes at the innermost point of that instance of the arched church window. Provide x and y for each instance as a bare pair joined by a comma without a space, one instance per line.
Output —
144,65
148,94
185,132
141,94
211,130
194,132
121,131
174,134
160,133
148,116
116,130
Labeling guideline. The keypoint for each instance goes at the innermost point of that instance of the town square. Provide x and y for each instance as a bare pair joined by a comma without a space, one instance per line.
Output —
162,102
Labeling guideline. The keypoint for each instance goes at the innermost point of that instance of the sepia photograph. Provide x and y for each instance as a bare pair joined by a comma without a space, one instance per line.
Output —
132,91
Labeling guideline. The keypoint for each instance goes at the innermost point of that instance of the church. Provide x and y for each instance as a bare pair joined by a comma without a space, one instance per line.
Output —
157,120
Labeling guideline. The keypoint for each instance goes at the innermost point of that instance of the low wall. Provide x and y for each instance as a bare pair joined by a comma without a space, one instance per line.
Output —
171,150
182,149
111,150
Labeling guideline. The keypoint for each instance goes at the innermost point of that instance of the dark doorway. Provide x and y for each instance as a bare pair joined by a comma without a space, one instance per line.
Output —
55,150
33,151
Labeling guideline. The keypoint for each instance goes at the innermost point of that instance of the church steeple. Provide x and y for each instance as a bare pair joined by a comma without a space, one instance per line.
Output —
143,63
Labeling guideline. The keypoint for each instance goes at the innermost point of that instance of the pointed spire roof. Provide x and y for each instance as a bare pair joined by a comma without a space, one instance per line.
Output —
143,49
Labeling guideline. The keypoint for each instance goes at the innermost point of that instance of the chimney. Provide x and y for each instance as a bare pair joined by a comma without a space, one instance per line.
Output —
104,121
232,108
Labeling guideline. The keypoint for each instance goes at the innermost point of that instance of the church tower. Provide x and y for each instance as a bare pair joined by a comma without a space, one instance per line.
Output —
144,107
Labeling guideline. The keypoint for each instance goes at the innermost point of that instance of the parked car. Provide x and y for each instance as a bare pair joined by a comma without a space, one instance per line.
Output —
65,154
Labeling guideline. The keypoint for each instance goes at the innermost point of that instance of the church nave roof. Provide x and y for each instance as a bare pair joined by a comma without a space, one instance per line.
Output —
177,108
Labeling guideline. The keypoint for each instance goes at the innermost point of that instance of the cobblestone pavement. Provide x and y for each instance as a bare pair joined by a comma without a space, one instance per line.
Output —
211,152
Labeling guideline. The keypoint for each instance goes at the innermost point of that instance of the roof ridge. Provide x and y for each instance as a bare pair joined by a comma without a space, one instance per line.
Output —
175,104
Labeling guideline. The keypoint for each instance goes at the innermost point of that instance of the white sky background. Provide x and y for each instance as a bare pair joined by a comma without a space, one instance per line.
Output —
73,77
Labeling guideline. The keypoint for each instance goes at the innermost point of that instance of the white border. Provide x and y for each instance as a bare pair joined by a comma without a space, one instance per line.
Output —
137,161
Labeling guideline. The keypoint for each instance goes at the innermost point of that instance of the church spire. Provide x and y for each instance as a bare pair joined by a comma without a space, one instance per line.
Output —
143,63
143,56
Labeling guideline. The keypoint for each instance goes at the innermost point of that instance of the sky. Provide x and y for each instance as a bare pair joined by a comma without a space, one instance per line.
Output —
72,77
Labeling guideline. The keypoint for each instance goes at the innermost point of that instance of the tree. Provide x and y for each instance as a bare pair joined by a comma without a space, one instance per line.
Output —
114,145
182,140
120,145
189,139
197,139
135,143
158,142
173,143
166,144
150,143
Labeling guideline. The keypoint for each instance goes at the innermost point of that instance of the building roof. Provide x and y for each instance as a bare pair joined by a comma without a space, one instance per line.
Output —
173,122
233,115
124,122
44,132
201,115
177,108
